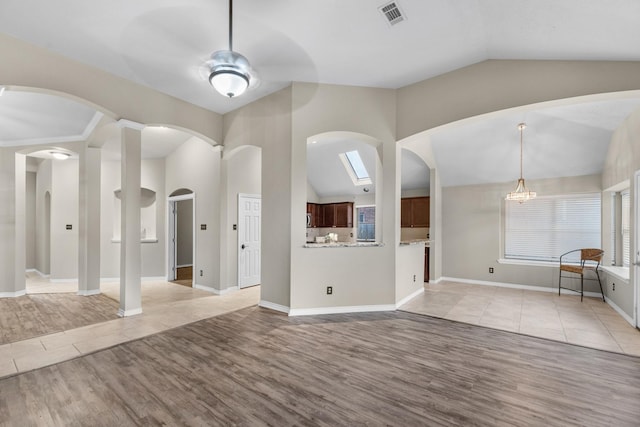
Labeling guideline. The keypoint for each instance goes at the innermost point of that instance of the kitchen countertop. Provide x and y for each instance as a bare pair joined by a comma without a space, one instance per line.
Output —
343,245
415,242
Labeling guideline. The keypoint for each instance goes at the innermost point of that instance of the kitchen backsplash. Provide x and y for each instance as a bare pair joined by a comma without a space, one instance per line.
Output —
344,234
412,233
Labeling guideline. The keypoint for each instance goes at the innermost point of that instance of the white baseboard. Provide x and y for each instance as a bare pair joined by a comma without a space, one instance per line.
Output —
142,279
75,280
624,315
87,293
340,310
127,313
518,286
215,290
274,306
38,272
408,298
13,294
435,282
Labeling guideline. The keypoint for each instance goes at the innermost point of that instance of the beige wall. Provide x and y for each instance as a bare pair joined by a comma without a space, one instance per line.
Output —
500,84
266,123
196,165
472,236
243,174
621,164
359,276
30,221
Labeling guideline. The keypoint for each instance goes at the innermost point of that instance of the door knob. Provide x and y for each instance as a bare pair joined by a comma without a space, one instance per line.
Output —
242,246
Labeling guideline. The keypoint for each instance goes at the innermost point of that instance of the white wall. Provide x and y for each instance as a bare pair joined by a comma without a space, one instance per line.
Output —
30,212
64,211
43,232
472,219
196,165
623,160
153,253
243,176
410,270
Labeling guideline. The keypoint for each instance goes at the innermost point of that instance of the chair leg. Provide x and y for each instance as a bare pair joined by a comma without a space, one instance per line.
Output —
581,287
600,283
559,282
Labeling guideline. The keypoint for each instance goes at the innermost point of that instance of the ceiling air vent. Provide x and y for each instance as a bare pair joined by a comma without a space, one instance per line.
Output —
392,13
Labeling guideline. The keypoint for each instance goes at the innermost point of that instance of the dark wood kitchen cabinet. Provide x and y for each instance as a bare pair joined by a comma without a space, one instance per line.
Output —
414,212
331,214
426,264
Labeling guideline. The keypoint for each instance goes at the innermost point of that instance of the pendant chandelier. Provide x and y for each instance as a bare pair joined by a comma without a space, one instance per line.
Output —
521,194
230,72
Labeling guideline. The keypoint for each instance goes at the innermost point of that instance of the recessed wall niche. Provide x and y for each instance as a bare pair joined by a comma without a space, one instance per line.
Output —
148,232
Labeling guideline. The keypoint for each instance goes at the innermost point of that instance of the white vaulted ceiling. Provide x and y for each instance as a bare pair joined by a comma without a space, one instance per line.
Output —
163,43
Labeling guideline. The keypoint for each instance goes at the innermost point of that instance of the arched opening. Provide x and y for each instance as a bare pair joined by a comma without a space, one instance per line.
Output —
344,191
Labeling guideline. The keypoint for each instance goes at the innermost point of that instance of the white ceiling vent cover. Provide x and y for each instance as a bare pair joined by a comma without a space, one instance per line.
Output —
392,13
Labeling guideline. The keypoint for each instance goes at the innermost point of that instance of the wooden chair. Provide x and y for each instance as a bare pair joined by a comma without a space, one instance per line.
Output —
589,261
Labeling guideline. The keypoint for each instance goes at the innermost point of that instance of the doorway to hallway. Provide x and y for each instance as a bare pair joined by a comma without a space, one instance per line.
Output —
181,241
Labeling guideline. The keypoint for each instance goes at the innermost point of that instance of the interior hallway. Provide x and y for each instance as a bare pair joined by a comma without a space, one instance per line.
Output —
591,323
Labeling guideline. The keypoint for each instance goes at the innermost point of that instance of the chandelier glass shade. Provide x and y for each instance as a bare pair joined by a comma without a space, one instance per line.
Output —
521,194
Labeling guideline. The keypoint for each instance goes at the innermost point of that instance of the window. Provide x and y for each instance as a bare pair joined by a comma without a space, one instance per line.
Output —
626,228
614,233
366,223
544,228
355,167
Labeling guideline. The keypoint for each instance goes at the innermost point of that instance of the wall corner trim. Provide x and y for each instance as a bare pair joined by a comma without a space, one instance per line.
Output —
89,292
624,315
409,297
215,290
127,313
13,294
274,306
124,123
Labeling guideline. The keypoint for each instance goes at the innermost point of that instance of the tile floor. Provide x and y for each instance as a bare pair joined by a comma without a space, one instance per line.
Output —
165,306
591,323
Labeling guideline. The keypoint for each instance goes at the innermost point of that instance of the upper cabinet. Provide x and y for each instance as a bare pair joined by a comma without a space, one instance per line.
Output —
331,214
414,212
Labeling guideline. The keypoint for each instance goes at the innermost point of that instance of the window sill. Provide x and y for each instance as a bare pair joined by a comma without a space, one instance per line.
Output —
528,262
621,273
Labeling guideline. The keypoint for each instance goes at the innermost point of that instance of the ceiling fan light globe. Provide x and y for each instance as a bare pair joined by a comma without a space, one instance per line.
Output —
229,83
230,73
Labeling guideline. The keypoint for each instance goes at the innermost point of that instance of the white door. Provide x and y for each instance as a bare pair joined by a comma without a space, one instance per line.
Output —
171,247
249,250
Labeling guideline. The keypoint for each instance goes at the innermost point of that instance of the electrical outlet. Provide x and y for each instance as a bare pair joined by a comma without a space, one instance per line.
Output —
414,277
491,270
200,273
329,290
613,285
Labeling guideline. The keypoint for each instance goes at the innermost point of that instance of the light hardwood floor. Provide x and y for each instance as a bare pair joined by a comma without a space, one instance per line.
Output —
34,315
255,367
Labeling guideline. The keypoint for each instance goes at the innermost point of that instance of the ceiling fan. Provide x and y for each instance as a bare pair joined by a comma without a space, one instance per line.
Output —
229,72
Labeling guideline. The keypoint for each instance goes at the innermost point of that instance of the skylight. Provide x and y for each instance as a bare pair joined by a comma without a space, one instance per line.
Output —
355,167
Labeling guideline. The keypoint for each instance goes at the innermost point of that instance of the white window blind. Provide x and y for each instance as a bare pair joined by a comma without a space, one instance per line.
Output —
614,238
544,228
626,229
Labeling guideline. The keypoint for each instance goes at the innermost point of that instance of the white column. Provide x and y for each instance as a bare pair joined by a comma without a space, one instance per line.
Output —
89,222
12,223
130,250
